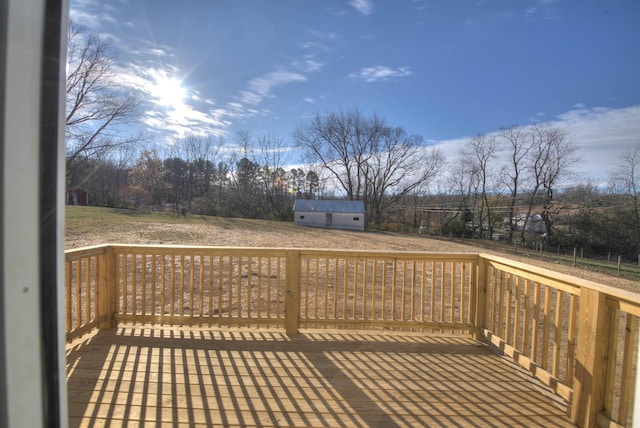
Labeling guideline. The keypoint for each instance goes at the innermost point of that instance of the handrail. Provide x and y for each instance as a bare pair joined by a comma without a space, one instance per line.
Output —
576,336
558,278
83,277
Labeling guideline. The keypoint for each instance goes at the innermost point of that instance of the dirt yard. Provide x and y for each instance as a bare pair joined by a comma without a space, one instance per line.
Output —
258,233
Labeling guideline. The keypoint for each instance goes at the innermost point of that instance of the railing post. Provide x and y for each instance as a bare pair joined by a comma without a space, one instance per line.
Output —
102,292
636,395
292,296
107,291
591,358
479,315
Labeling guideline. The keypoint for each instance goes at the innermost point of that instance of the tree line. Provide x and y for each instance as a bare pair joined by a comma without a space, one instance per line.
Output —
509,185
196,175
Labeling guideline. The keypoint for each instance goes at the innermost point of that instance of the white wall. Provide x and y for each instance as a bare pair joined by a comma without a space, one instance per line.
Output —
339,220
310,219
26,334
346,221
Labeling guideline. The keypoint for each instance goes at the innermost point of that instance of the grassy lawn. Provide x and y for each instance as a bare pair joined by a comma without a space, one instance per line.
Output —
89,219
93,225
78,217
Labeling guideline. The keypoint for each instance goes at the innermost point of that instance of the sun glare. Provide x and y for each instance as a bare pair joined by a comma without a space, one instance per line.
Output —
169,92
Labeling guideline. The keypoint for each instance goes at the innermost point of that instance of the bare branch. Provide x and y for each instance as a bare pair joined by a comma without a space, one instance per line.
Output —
96,106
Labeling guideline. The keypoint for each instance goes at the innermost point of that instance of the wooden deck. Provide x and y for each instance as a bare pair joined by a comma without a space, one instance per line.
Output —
173,376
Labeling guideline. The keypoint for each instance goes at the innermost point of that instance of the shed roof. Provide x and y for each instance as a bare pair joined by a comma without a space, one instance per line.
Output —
333,206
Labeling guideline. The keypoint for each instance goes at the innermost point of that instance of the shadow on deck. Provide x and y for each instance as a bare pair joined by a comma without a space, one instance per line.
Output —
156,376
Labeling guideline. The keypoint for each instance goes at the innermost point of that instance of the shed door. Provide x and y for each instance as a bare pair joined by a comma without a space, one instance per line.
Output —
328,219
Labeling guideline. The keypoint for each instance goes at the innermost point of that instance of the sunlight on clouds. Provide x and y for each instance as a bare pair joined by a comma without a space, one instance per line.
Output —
171,109
169,92
185,120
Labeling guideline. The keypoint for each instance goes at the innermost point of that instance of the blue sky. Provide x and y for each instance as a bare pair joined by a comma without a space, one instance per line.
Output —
446,70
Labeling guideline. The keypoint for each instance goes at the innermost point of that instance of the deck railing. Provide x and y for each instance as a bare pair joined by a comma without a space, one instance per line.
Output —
577,337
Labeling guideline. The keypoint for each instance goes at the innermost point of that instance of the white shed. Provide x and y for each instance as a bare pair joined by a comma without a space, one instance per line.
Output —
330,214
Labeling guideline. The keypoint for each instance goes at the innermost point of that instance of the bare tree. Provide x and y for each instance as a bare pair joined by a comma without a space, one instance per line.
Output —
109,177
245,186
96,106
368,160
462,181
245,141
514,174
342,144
397,165
627,179
480,152
551,158
273,156
201,154
273,151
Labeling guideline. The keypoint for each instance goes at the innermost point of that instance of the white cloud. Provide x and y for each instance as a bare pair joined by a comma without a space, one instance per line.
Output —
177,123
601,135
94,14
363,6
308,65
190,115
144,65
311,65
543,8
261,87
603,126
381,73
320,41
316,46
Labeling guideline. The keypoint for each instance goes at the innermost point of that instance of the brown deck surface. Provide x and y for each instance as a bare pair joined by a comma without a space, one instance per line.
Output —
160,376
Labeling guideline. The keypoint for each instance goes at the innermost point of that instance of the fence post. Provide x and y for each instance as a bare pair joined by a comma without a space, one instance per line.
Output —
107,293
636,395
292,296
480,302
591,355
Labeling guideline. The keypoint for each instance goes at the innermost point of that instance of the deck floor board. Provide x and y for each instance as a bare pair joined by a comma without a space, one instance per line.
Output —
161,376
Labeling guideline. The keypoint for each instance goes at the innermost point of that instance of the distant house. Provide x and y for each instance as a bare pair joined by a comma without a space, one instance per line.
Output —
535,223
330,214
77,196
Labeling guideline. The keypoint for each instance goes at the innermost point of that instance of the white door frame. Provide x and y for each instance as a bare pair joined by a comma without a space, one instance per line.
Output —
32,358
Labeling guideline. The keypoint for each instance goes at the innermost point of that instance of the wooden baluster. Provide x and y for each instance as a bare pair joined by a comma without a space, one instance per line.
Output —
571,337
545,328
557,334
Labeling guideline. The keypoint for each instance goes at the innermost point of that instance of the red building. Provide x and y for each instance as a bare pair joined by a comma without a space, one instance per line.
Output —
77,196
